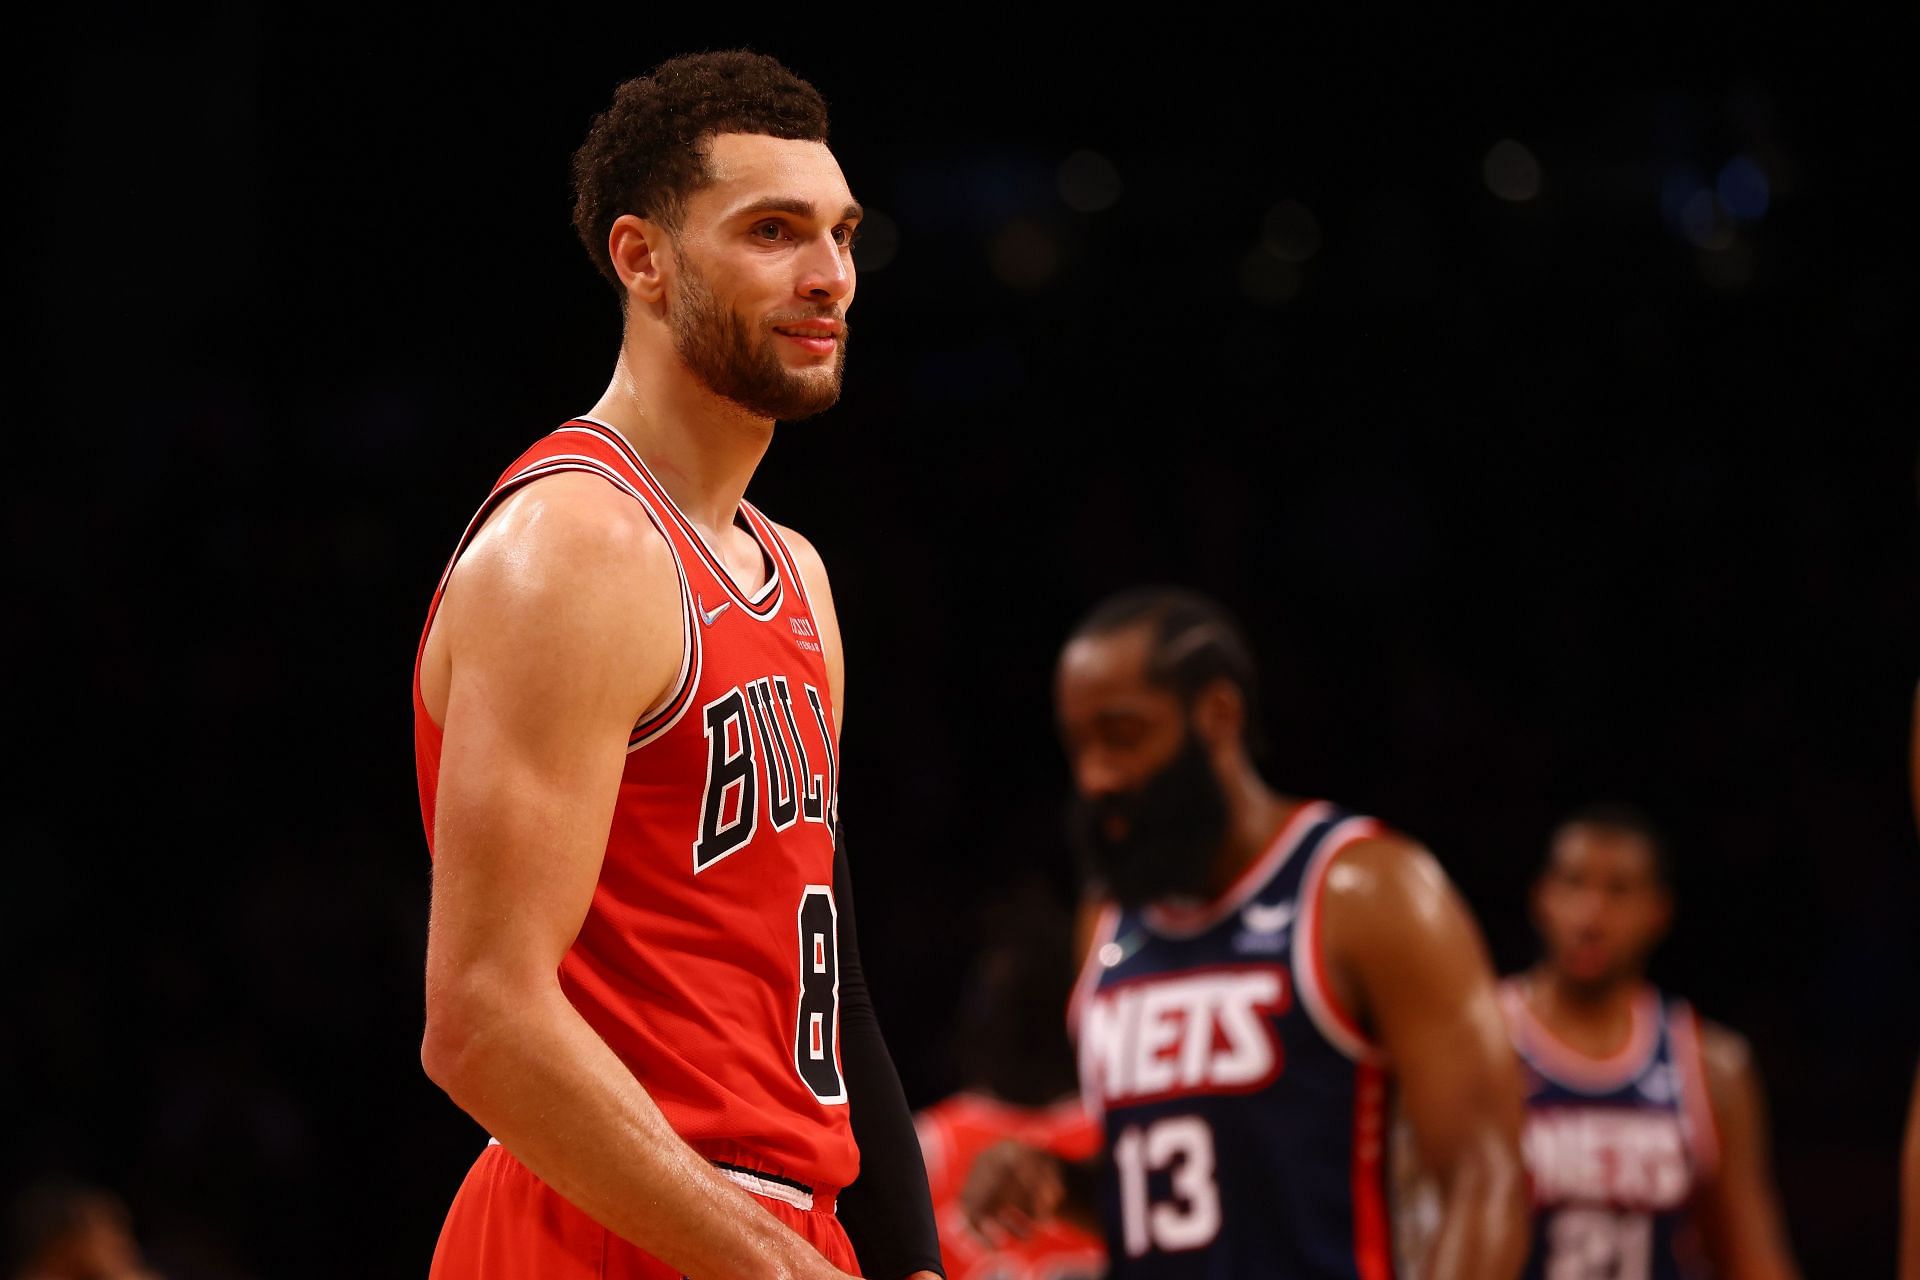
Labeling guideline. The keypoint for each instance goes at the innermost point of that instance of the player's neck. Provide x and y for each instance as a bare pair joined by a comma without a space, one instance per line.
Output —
1595,1019
703,449
1255,814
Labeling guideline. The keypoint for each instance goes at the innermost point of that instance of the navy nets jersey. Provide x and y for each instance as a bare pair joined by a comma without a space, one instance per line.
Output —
1243,1108
1614,1147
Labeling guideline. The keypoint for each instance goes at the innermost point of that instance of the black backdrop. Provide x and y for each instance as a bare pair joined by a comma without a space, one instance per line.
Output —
1600,493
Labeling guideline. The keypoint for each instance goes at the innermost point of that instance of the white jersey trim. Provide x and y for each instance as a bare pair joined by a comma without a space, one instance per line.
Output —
691,655
1571,1069
1309,976
1104,928
758,609
802,1200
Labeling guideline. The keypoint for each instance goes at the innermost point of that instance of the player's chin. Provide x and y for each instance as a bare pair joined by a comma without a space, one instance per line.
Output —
1593,971
811,397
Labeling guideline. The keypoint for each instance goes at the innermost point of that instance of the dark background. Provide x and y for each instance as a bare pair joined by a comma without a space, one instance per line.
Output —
1608,492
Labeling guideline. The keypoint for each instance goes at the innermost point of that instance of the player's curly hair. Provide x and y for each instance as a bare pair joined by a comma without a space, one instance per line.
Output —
646,153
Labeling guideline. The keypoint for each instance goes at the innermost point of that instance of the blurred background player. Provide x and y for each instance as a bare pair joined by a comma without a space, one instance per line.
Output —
65,1230
641,970
1646,1136
1255,963
1011,1046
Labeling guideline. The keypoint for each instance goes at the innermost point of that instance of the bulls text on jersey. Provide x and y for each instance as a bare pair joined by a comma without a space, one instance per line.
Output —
739,772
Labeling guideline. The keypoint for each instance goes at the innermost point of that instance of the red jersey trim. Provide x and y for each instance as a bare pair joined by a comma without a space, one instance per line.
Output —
763,604
1372,1239
1335,1023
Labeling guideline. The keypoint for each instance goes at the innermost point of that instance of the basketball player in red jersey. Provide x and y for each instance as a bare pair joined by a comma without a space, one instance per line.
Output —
1621,1149
641,973
1258,970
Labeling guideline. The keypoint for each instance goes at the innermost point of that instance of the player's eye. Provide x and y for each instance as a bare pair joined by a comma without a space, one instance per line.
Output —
768,231
846,237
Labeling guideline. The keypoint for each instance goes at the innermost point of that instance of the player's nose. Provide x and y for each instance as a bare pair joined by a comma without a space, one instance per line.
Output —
1096,778
826,272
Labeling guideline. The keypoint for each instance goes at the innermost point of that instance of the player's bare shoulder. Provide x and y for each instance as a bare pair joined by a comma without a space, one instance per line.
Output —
565,568
1392,922
1727,1058
1387,878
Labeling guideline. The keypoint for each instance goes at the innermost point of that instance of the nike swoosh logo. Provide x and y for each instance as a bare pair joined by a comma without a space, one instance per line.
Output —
718,609
1273,919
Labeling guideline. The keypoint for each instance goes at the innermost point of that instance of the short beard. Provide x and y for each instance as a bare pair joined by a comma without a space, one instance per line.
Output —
1170,832
721,352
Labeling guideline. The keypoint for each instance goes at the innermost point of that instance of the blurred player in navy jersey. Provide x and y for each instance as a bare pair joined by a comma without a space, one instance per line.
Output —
1646,1137
1261,973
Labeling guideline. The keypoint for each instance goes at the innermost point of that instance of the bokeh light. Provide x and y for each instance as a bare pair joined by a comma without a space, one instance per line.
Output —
1024,255
1290,232
1511,171
1088,182
1743,189
1268,280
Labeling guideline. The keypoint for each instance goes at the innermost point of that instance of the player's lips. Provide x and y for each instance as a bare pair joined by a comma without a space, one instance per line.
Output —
818,336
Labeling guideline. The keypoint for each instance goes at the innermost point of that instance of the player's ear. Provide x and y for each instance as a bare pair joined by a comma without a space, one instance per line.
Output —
1220,713
641,251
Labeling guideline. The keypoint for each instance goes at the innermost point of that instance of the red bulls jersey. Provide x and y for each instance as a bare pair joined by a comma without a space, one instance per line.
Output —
953,1133
708,958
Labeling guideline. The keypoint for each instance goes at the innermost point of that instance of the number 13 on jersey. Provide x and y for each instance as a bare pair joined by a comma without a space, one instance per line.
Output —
1190,1217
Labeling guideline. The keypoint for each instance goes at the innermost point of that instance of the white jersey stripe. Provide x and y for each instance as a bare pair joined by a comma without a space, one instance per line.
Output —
1309,966
690,643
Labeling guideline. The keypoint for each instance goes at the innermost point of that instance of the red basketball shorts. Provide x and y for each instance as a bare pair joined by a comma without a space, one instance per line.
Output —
506,1224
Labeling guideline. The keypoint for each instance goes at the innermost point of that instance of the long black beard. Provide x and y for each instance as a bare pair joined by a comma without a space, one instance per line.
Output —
1159,840
717,347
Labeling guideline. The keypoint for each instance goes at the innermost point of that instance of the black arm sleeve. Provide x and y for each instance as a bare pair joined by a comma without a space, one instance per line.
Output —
887,1212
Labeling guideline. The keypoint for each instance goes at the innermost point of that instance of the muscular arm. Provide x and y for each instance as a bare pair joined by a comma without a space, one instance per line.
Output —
888,1212
1738,1208
559,627
1403,954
